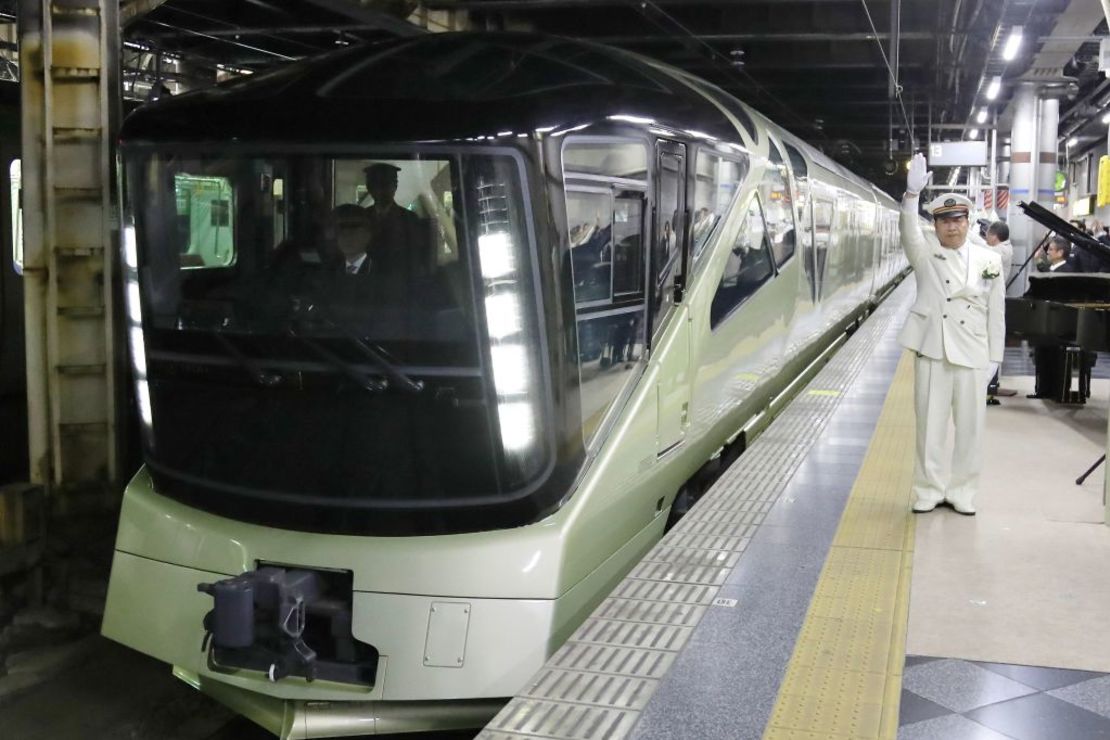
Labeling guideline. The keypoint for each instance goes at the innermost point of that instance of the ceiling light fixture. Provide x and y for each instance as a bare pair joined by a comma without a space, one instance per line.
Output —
982,117
994,88
1012,44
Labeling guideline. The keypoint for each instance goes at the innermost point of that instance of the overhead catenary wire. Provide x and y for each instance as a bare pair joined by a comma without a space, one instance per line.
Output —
890,70
643,5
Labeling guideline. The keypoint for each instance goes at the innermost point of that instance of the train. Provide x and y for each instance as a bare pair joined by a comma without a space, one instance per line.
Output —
376,500
13,383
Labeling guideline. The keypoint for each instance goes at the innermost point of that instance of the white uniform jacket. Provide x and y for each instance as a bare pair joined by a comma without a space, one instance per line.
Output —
959,318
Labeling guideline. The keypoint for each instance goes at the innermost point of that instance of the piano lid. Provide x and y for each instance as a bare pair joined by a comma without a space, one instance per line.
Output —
1050,220
1070,287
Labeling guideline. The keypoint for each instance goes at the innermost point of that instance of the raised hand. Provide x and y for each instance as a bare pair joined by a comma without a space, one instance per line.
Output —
918,176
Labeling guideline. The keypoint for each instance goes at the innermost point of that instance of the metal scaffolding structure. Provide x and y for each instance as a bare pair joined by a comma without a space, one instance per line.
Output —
70,65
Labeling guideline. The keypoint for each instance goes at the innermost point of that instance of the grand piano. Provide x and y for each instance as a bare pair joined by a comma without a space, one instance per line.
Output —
1064,316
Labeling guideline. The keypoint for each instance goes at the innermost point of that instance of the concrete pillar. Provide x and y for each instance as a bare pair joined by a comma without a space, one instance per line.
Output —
1024,233
1047,130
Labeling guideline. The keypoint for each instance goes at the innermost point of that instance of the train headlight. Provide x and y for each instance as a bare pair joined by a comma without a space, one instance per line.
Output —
510,341
135,338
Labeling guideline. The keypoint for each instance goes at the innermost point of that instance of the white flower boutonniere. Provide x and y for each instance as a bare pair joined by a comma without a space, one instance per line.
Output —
989,273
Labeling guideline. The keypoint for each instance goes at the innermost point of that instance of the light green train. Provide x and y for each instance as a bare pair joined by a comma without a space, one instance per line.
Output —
482,314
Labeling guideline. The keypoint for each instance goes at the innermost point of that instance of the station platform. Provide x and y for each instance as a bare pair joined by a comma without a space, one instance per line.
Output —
802,599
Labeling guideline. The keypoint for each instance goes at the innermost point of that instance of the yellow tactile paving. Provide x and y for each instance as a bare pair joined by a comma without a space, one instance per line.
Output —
845,677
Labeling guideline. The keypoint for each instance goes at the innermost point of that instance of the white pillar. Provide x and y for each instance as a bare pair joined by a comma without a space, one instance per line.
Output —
1024,233
1047,129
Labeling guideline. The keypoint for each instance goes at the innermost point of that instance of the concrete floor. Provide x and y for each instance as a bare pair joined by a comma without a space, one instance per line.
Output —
1024,581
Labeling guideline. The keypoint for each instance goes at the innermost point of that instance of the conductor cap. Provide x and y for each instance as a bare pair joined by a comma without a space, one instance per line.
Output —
381,171
949,204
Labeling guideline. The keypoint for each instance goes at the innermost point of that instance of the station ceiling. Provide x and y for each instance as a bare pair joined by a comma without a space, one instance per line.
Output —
818,67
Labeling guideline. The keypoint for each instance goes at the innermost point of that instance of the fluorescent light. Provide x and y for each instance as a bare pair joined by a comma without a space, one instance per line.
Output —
973,133
496,254
631,119
579,127
1012,44
982,117
994,88
1073,141
1106,118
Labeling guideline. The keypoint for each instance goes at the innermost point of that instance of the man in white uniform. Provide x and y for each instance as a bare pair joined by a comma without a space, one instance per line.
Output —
956,327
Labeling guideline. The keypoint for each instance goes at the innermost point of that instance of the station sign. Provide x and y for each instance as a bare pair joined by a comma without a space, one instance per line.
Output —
958,154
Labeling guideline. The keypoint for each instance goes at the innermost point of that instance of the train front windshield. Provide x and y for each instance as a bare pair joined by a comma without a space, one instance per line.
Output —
339,343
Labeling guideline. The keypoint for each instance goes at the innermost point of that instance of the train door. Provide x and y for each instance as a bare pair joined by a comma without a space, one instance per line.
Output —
669,262
804,205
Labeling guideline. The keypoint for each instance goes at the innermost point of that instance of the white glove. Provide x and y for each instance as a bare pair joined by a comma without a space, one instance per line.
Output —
994,368
918,176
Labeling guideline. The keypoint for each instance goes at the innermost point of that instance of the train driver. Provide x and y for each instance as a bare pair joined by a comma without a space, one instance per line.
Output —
353,238
956,328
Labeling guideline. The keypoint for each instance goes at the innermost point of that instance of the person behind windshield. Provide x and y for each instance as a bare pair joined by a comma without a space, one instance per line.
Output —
353,238
400,238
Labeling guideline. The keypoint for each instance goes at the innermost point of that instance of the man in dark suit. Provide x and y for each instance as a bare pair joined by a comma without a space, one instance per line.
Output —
353,238
1058,253
400,238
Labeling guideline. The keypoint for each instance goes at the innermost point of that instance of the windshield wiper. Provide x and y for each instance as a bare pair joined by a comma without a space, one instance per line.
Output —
398,379
256,373
372,385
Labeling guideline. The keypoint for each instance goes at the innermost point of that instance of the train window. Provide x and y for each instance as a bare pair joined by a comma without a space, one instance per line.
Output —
608,159
205,228
404,386
734,106
748,265
607,265
804,208
780,207
797,161
608,259
716,183
823,215
670,228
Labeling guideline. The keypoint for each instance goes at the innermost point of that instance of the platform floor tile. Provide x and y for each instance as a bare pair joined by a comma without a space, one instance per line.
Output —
948,699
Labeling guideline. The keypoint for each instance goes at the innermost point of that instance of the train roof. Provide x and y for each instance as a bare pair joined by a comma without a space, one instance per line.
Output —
437,87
